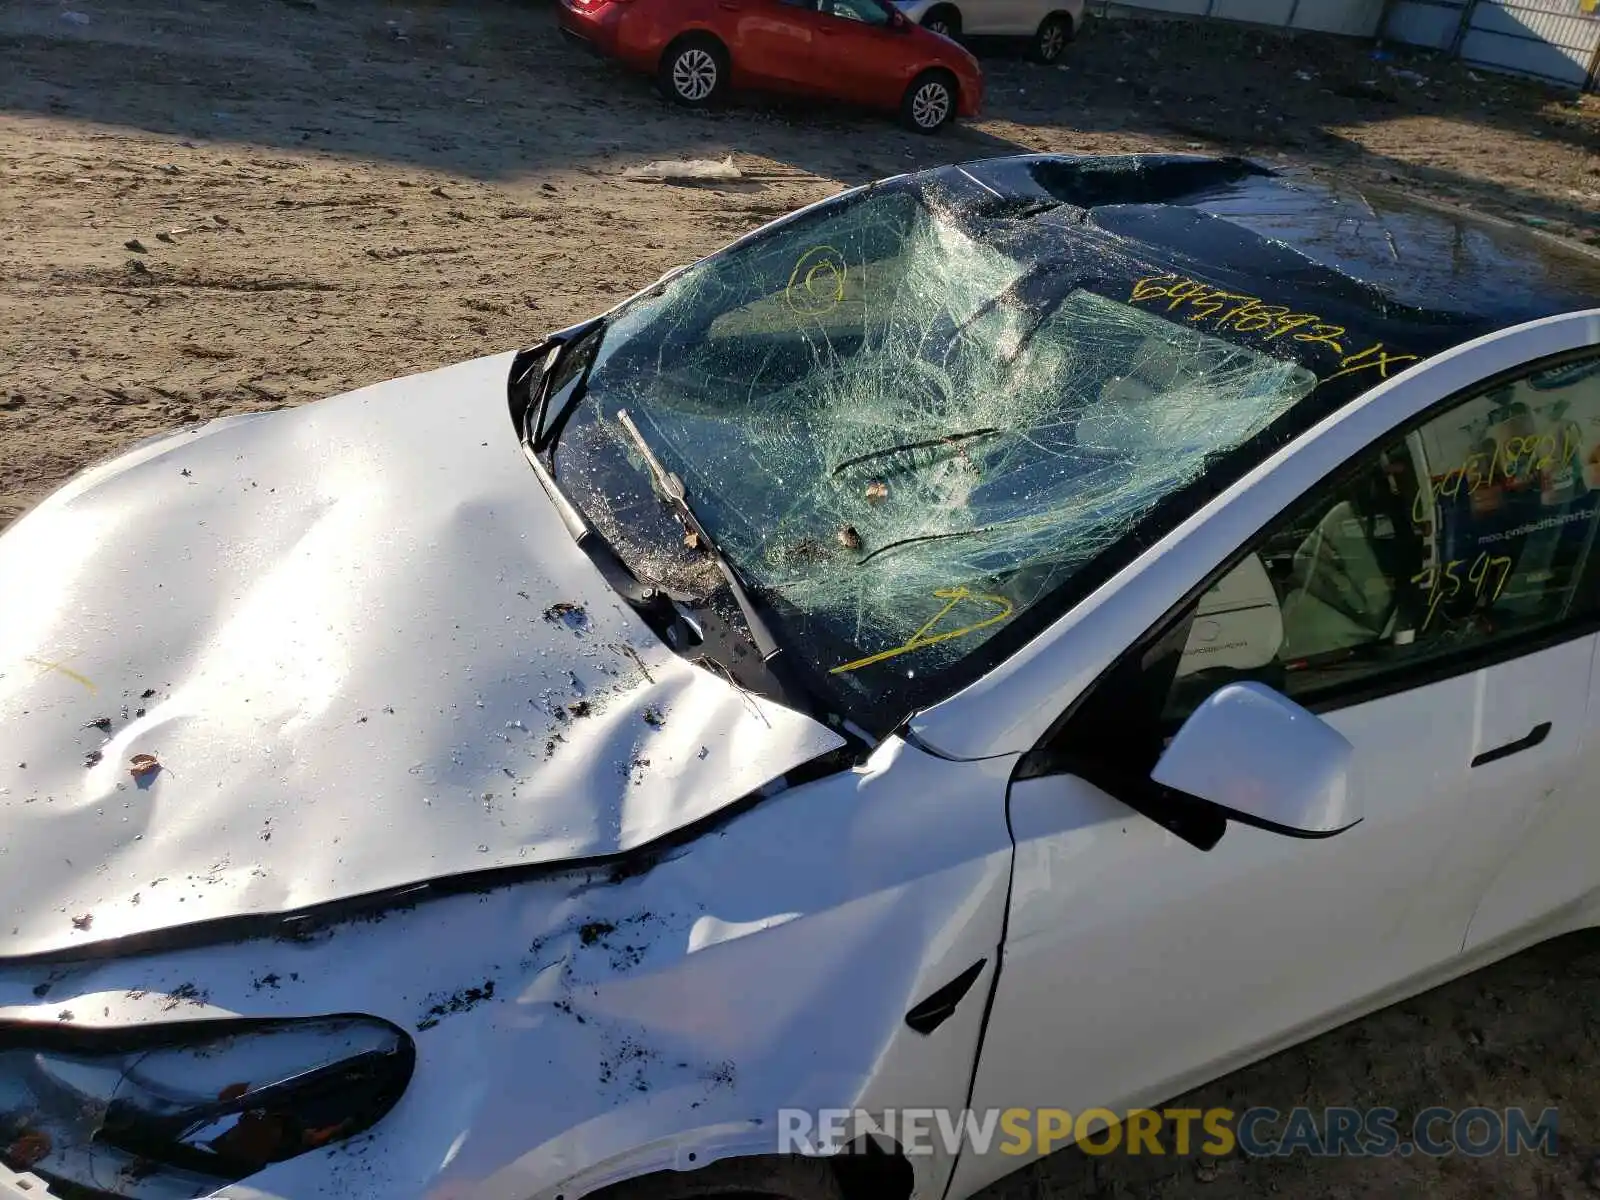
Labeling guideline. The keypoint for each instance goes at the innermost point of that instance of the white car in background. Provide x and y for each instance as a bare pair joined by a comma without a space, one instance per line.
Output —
1042,632
1047,24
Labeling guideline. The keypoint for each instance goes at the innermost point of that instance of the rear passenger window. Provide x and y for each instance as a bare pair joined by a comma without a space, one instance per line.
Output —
1476,528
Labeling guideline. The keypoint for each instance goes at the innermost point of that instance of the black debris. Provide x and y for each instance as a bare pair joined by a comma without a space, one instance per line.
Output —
462,1001
563,612
185,993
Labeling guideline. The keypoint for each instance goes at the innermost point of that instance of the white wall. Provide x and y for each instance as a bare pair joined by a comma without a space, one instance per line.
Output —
1357,18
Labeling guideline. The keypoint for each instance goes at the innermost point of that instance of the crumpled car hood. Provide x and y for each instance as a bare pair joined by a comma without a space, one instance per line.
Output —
365,653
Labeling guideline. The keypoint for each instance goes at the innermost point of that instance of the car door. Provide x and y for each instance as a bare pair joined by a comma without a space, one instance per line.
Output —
772,43
1001,18
1445,631
1550,862
861,57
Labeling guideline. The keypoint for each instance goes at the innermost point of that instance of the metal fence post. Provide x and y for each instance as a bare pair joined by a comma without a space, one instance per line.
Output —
1592,84
1384,13
1467,10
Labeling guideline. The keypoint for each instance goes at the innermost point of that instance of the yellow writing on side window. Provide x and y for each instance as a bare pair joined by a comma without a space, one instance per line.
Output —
1244,313
923,637
1445,583
1513,458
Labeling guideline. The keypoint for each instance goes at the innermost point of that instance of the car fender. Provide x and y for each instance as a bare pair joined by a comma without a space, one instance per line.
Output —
663,36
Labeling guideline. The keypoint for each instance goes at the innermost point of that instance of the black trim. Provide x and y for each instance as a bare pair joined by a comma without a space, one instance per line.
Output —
1535,736
1198,822
934,1011
1309,835
1463,662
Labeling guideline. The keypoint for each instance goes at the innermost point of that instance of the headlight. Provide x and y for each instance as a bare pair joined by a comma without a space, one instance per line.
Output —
162,1112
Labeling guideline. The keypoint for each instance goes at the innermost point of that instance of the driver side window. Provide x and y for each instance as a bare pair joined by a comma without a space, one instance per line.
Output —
1474,529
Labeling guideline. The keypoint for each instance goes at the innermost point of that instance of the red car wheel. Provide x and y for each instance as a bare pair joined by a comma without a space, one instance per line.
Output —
694,70
929,102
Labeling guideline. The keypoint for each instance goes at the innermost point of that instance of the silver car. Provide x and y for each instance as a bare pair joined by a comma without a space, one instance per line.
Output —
1048,24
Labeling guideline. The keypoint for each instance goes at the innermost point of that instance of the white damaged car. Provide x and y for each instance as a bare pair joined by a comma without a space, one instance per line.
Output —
877,667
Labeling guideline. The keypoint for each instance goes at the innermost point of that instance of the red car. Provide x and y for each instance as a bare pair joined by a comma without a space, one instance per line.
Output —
860,51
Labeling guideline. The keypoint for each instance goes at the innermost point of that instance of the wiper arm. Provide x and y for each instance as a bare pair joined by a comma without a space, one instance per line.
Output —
653,604
671,488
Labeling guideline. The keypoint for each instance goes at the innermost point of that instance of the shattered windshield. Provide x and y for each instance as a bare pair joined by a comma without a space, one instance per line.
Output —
905,431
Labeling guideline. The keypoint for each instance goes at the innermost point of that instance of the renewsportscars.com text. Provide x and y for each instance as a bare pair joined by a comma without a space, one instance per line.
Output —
1256,1132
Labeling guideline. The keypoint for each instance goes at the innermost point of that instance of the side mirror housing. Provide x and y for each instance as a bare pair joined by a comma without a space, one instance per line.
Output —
1265,761
898,20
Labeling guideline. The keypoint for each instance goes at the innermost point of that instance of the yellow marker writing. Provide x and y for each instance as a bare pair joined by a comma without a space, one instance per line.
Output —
817,282
952,597
1244,313
65,670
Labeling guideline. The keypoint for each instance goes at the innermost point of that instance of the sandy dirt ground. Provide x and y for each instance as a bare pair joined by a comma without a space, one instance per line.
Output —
210,207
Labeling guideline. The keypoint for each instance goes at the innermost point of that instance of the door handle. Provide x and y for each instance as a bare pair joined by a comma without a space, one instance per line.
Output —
730,5
1538,734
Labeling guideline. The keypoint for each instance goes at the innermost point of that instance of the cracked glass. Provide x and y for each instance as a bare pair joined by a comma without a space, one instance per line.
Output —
904,429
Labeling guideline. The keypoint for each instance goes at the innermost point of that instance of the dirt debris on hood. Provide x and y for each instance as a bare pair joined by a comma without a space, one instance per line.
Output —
185,993
565,612
460,1001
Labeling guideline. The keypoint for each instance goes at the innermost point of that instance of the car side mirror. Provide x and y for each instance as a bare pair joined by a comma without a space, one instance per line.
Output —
1265,761
898,20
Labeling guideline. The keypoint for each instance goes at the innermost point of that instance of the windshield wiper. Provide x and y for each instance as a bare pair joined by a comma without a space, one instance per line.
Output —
925,537
949,439
671,489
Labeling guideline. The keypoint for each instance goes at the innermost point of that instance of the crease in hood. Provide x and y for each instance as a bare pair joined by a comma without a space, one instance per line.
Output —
365,653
